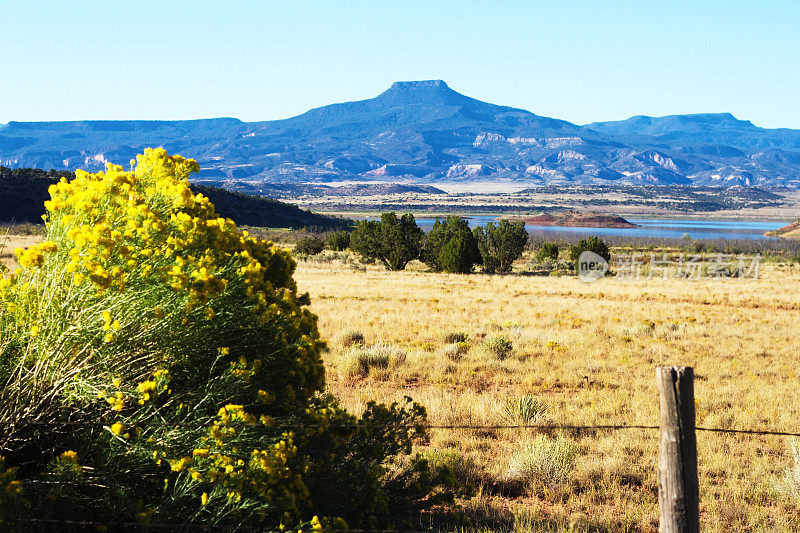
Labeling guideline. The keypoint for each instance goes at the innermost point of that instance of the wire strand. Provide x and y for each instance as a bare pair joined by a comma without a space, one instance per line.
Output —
571,427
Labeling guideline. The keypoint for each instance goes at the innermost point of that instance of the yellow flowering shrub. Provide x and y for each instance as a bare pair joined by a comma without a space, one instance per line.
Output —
140,292
180,348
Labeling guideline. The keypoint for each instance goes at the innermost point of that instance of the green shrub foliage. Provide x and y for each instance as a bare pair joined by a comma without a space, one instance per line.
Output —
548,250
450,246
499,346
393,241
592,244
500,244
339,241
309,246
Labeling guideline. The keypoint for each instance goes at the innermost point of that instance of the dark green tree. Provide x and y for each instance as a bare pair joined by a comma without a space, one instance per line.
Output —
548,250
450,246
500,244
339,241
592,244
309,245
393,241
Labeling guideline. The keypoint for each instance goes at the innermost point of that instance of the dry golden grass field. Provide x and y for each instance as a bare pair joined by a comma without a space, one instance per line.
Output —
555,350
582,354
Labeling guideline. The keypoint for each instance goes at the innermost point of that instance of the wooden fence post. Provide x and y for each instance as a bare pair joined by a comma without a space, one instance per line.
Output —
678,495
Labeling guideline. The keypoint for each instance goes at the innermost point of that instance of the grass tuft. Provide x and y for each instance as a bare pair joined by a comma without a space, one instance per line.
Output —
526,409
544,460
359,361
350,337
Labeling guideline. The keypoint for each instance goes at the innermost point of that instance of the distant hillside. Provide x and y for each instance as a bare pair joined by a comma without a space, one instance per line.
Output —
291,190
264,212
24,191
574,219
720,129
424,132
790,231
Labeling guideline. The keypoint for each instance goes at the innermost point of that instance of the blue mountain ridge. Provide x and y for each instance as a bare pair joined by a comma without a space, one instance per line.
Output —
425,132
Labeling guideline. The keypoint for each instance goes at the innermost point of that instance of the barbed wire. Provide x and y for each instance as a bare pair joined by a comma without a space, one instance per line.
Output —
749,431
548,427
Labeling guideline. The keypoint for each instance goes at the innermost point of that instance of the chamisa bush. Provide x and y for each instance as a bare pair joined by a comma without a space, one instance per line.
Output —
543,461
499,346
157,365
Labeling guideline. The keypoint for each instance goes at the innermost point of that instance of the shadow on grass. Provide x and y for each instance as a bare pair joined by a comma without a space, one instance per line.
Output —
484,515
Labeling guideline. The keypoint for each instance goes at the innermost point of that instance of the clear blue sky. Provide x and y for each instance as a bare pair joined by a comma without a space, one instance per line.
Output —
261,60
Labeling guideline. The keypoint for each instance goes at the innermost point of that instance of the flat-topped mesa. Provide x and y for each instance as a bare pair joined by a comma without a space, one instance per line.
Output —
672,124
425,91
421,84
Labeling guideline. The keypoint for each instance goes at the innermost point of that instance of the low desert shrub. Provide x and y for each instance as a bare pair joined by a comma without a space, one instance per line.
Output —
350,337
359,361
466,472
24,228
499,346
455,336
644,329
544,460
548,264
790,484
455,350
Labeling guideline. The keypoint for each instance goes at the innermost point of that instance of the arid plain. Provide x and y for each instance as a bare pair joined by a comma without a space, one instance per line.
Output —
585,354
571,353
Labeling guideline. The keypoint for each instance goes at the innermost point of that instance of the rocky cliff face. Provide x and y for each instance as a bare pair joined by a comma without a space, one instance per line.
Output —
425,132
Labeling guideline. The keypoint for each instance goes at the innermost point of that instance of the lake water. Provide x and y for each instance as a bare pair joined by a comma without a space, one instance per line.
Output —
652,227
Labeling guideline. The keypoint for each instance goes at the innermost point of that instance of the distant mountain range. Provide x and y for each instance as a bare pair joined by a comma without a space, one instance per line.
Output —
423,132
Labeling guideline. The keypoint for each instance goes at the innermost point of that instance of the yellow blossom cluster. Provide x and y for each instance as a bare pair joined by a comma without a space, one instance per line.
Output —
245,369
119,227
114,396
33,257
69,456
224,470
66,464
151,388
